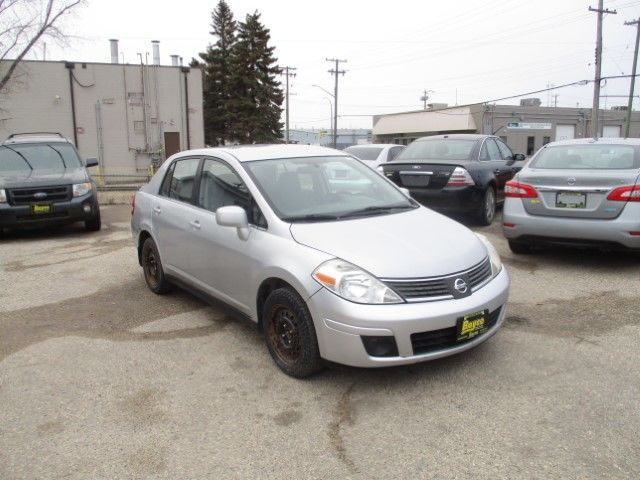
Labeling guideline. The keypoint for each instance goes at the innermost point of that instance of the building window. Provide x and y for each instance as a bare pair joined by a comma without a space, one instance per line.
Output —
546,140
531,145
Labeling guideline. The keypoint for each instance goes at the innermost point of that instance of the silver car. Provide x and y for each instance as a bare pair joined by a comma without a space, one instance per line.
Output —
352,272
578,192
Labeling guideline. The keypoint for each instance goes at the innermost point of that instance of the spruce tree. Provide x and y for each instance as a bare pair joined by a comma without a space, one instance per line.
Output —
216,88
256,94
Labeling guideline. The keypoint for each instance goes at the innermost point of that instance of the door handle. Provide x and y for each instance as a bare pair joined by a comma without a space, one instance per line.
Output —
157,210
195,224
497,171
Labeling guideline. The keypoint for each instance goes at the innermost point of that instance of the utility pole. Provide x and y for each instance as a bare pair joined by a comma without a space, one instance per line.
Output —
633,78
555,100
425,97
596,81
286,71
335,72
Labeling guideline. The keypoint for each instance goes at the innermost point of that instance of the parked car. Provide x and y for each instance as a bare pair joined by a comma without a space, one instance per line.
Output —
373,154
455,174
366,278
576,192
43,181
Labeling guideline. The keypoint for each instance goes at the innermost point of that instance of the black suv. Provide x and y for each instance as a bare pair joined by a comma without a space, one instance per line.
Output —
43,181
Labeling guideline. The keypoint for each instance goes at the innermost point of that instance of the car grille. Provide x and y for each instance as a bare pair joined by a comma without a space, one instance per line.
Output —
440,288
425,342
26,196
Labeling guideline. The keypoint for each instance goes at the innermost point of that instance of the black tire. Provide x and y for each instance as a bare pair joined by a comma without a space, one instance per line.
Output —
487,208
520,248
152,268
290,334
95,224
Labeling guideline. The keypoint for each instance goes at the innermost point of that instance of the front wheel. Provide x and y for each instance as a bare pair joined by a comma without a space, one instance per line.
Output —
95,224
487,208
290,334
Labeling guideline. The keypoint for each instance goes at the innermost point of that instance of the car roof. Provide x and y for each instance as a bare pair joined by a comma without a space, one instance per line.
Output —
35,137
457,136
247,153
375,145
598,141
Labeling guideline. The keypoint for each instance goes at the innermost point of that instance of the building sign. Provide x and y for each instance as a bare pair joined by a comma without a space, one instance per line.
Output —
529,126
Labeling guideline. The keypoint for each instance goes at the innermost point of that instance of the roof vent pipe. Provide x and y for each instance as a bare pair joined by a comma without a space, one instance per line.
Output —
174,61
155,45
114,50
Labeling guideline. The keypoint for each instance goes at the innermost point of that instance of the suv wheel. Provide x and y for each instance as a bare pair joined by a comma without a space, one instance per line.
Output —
93,225
152,268
290,334
487,210
519,247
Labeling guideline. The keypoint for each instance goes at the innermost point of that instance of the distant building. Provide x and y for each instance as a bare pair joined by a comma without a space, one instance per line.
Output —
346,137
525,128
126,115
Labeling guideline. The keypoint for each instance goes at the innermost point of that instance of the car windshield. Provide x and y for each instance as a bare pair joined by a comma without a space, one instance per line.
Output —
325,188
438,149
587,157
364,153
26,158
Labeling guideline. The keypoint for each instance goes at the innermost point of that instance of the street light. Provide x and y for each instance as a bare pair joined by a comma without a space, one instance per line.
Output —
335,126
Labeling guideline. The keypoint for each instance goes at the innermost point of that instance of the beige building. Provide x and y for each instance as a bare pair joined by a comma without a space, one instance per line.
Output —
525,128
125,115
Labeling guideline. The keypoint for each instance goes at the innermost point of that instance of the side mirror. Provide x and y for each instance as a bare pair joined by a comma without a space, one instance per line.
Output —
518,157
234,216
91,162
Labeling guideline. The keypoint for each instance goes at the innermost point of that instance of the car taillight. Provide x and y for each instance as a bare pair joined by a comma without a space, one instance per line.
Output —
133,204
460,178
519,190
630,193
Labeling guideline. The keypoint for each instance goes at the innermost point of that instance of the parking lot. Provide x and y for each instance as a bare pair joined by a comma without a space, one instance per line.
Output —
99,378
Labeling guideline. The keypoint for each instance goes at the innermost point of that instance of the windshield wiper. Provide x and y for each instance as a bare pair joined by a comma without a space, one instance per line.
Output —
60,155
20,155
311,217
377,209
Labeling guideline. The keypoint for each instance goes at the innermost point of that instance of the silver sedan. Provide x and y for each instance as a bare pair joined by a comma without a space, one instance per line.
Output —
345,268
579,193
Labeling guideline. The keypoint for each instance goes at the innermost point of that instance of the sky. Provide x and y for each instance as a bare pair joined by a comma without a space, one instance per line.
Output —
462,51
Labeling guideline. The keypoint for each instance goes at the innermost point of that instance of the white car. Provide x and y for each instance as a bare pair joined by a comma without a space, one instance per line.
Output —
373,154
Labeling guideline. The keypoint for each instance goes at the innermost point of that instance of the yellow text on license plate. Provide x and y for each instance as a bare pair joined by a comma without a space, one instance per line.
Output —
41,208
471,324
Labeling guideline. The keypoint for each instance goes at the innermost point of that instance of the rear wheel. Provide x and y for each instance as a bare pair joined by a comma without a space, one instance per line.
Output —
519,247
487,208
290,334
152,268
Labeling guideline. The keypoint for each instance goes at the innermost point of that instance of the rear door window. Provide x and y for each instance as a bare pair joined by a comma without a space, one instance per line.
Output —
183,179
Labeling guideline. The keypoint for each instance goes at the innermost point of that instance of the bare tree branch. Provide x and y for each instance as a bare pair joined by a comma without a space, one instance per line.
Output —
16,31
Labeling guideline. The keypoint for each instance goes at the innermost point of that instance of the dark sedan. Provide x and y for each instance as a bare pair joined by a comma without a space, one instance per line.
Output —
455,174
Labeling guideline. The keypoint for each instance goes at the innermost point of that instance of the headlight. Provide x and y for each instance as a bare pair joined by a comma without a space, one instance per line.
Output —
494,257
3,196
352,283
80,189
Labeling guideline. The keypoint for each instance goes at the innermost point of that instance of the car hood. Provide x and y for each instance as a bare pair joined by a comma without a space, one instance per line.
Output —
42,178
417,243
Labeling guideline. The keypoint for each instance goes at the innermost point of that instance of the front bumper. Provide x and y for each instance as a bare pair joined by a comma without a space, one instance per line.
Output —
340,324
449,199
554,230
17,216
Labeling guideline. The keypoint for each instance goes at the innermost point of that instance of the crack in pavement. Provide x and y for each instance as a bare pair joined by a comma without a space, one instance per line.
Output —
343,414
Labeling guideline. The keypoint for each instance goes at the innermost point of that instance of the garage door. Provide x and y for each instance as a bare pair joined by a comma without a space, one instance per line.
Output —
565,132
611,131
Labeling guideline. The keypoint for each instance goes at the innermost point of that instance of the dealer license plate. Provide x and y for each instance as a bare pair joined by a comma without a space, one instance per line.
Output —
471,326
39,209
571,200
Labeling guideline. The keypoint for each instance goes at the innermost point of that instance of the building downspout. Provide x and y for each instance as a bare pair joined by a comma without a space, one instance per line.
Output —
185,70
70,66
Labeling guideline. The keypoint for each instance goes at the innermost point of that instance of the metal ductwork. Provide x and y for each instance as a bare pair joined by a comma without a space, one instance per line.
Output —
155,45
174,61
114,50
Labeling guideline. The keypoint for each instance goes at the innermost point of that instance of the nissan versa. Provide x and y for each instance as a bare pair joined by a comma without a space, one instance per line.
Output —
351,271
